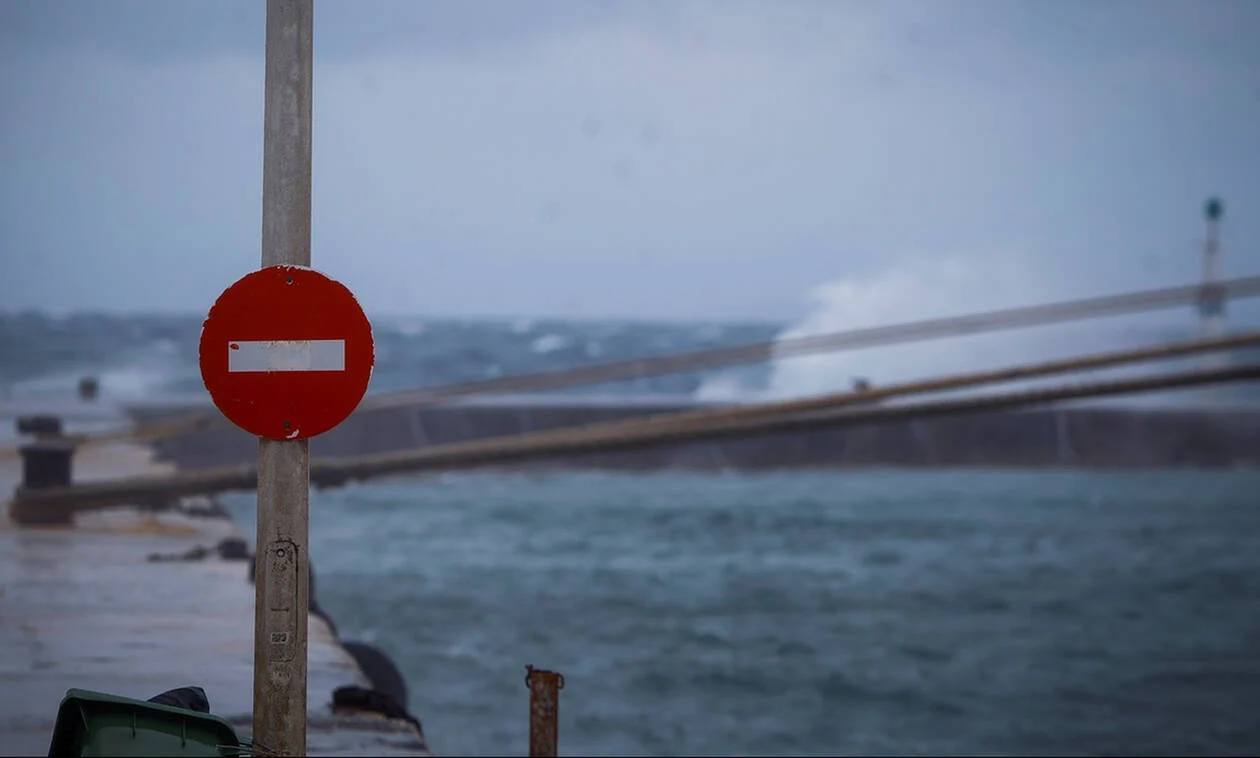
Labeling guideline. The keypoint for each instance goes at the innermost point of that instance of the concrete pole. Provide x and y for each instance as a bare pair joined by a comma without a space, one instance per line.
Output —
282,575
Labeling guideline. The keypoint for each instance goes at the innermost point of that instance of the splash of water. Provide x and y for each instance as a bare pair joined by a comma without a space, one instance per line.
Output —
921,290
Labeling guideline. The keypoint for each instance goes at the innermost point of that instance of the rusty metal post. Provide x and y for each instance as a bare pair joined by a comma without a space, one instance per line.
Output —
544,711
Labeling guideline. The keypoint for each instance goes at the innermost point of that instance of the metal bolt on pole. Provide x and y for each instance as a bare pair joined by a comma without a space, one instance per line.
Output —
281,583
544,711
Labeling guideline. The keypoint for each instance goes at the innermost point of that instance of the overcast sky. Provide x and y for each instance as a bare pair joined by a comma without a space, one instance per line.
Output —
650,159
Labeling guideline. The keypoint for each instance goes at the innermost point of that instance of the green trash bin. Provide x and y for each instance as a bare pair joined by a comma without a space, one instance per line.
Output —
96,724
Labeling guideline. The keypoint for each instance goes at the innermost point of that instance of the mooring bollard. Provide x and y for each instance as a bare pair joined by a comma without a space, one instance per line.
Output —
89,388
45,463
544,711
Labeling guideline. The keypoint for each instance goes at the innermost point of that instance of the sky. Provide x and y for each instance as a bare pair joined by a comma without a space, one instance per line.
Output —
661,160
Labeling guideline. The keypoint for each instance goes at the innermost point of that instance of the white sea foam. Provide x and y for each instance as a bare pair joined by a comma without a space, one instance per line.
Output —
550,343
121,383
940,288
407,326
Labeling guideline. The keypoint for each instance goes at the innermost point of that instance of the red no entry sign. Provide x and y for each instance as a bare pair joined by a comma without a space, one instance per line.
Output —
286,353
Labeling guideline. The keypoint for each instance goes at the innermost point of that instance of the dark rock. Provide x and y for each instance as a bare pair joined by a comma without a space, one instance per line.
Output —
379,669
234,549
198,553
373,701
229,549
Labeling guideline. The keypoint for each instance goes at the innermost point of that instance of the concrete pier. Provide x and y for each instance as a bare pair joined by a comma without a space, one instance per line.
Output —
1071,437
85,606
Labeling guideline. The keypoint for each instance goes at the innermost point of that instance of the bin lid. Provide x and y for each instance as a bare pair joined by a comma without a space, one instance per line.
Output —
98,724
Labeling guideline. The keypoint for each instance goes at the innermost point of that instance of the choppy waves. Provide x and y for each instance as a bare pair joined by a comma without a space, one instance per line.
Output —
156,356
890,613
147,356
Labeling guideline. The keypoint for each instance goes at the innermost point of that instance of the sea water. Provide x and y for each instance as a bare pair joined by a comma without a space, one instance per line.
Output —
817,613
964,612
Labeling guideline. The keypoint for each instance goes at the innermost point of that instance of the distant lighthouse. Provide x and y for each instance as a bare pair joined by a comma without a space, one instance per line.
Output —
1212,300
1212,296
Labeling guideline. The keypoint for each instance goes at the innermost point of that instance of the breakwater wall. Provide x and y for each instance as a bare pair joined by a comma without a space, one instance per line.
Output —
1086,437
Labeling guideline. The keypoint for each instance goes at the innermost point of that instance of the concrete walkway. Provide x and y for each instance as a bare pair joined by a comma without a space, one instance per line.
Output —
83,607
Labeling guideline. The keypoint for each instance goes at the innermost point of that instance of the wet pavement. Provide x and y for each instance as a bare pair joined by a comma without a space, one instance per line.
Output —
84,607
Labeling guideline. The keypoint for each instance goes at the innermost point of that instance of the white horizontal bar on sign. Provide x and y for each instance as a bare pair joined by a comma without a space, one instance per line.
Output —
286,355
